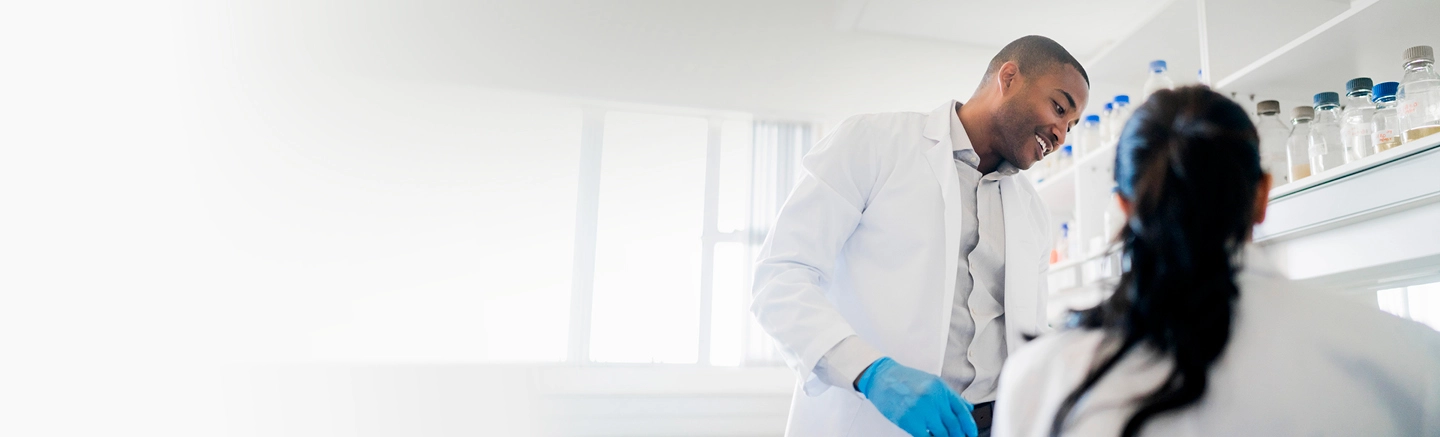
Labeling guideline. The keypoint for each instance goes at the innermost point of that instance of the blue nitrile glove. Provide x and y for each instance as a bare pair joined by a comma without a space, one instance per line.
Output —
917,402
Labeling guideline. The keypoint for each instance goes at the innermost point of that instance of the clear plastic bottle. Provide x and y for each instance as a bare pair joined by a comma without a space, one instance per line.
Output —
1090,137
1327,151
1386,124
1159,79
1356,128
1067,156
1297,148
1061,252
1273,135
1106,135
1119,116
1419,94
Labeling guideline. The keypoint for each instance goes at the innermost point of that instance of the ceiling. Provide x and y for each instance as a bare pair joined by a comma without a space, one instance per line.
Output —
1083,27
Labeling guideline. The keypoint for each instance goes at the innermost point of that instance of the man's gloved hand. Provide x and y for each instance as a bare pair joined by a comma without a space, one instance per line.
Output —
918,402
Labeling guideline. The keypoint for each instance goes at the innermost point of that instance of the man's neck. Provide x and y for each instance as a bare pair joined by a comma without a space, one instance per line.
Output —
978,128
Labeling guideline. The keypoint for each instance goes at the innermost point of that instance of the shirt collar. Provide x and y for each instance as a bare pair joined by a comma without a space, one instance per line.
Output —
964,151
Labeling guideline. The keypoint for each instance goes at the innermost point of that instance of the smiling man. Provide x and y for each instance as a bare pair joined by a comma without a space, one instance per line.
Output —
909,260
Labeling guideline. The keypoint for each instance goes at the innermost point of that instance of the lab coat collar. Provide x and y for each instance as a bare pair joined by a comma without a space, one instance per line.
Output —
944,126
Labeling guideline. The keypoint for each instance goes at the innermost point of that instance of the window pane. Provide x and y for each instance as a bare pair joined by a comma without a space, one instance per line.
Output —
647,260
728,313
736,138
1424,303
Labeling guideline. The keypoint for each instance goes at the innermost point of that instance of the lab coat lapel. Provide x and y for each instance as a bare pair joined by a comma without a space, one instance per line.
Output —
1022,264
941,158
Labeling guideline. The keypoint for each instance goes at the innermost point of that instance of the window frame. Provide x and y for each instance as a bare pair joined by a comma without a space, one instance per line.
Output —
587,219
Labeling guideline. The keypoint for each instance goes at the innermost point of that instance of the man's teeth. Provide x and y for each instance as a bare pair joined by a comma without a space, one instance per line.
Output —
1043,147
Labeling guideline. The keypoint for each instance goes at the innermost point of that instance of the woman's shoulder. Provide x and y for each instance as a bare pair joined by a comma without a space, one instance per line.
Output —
1052,356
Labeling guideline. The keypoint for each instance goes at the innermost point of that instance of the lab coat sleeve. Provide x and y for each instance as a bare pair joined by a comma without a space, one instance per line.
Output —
797,261
842,366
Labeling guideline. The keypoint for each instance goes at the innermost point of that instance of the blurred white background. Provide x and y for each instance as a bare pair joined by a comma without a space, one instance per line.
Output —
430,217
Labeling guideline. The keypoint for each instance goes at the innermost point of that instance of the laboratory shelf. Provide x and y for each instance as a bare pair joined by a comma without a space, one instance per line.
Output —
1405,176
1171,33
1366,224
1364,40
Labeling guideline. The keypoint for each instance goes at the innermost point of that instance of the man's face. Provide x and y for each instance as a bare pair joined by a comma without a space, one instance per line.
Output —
1036,113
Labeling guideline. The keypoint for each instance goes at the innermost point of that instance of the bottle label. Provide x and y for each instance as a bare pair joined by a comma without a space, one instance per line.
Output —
1409,107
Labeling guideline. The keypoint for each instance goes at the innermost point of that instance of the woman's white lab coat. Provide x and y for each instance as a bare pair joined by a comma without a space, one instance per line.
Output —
1299,362
868,244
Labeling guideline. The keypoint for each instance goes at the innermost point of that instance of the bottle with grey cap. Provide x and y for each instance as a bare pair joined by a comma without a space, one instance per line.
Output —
1355,129
1297,148
1419,94
1273,135
1327,151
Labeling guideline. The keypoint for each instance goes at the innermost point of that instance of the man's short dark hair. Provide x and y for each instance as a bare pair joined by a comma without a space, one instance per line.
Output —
1034,54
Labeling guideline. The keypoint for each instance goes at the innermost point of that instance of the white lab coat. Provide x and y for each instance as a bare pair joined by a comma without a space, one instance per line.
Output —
868,244
1299,362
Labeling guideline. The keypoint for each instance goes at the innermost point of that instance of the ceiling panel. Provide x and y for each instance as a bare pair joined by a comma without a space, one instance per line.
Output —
1083,27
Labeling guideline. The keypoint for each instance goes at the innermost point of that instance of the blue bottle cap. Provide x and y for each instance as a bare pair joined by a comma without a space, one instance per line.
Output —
1327,98
1157,66
1357,84
1067,150
1122,99
1385,89
1092,118
1109,107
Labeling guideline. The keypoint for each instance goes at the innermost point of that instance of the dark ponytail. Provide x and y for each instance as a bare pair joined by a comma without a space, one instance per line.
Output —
1189,165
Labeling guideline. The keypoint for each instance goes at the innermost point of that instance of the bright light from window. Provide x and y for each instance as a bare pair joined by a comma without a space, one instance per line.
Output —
1420,303
728,305
647,257
736,138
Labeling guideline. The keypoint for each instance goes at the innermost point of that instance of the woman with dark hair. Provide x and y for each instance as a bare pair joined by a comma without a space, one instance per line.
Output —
1202,337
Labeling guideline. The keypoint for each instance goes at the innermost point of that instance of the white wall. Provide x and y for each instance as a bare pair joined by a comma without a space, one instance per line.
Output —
192,183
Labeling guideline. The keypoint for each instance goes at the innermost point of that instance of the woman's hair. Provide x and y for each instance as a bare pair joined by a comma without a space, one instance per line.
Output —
1188,164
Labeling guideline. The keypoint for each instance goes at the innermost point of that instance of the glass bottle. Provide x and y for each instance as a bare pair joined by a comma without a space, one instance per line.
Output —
1297,149
1273,136
1326,149
1387,132
1158,79
1119,116
1356,127
1419,94
1090,136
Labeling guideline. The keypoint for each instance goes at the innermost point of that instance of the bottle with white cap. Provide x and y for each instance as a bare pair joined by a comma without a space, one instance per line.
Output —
1355,129
1297,148
1273,135
1419,94
1327,151
1159,79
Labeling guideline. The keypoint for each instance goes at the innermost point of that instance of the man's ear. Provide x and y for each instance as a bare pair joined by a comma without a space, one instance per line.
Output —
1007,77
1262,198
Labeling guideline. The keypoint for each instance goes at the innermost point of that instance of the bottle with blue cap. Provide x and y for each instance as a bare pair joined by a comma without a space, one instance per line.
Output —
1355,127
1159,79
1091,138
1106,135
1385,129
1118,116
1327,151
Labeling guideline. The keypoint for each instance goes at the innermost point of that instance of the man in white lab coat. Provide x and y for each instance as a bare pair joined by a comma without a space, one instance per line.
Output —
909,260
